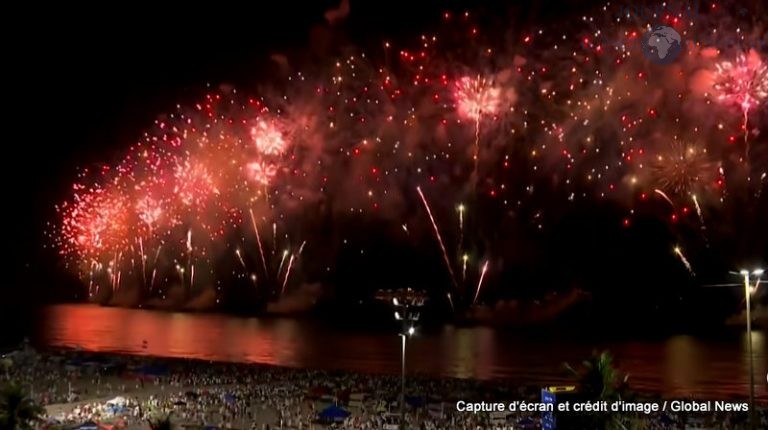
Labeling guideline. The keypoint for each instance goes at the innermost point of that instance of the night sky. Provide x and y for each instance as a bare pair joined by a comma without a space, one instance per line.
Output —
86,81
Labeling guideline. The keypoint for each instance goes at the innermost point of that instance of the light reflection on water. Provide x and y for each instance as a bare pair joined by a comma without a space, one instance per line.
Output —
679,366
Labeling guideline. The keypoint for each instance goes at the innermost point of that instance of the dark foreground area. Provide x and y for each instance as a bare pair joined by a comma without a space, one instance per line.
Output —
79,387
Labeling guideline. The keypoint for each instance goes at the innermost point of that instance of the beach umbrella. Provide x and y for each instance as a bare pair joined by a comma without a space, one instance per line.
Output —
114,409
88,425
334,413
414,401
119,400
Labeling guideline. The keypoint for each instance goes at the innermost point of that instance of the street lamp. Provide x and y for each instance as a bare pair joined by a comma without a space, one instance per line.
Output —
401,403
748,291
406,303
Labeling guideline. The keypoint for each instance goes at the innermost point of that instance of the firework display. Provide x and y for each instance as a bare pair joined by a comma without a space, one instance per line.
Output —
743,82
467,136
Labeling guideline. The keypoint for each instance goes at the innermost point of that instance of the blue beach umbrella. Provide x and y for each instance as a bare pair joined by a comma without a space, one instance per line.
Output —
88,425
334,413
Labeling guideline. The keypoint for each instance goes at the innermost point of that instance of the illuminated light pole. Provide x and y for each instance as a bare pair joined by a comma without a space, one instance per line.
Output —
406,303
748,291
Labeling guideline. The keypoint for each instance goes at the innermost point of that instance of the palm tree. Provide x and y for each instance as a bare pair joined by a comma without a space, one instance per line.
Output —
17,410
6,364
160,422
599,380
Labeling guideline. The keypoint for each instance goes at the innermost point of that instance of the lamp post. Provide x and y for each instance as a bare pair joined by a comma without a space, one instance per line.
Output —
748,291
406,303
401,403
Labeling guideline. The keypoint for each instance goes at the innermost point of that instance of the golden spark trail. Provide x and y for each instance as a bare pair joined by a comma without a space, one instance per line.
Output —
287,274
480,282
240,257
476,156
461,226
111,271
698,210
746,128
116,272
143,261
282,260
182,276
686,263
189,259
154,270
90,279
665,197
274,237
701,218
258,240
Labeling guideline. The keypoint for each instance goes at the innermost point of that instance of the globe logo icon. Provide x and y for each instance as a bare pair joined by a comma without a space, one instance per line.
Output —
662,44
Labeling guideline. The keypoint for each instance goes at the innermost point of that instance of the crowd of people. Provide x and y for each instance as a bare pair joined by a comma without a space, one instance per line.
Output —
126,392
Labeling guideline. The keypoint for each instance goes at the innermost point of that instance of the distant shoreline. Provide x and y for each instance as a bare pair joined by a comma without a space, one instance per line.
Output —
511,314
